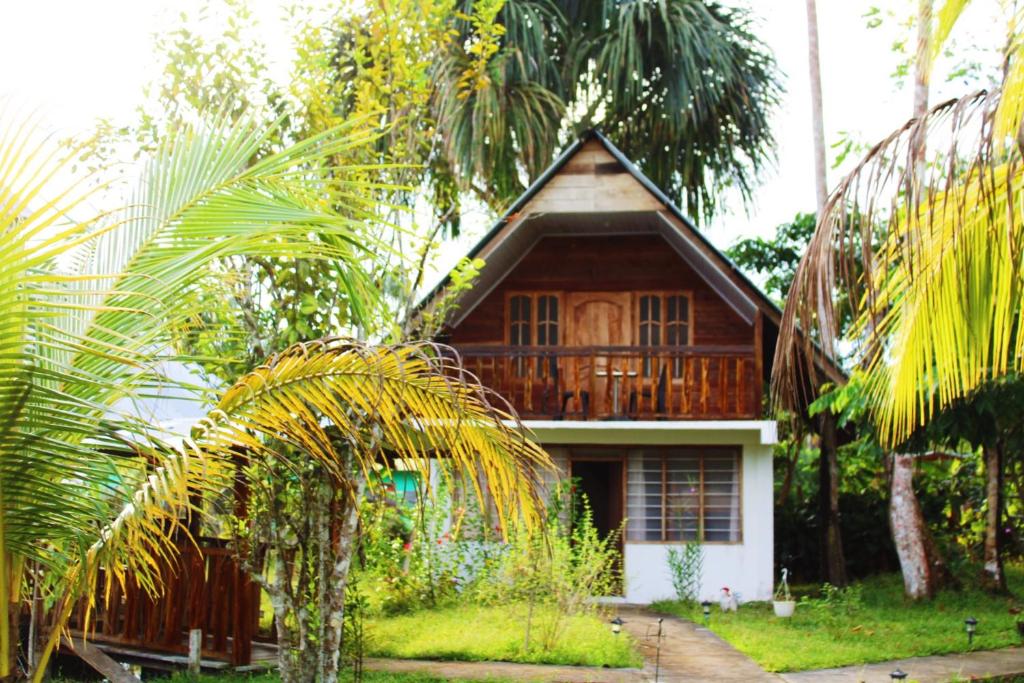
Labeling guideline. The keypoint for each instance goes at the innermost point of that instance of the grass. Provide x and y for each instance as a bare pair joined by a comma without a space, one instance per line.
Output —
368,677
880,626
476,633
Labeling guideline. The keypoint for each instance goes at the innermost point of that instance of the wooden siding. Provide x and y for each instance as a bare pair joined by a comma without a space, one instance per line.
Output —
592,181
621,263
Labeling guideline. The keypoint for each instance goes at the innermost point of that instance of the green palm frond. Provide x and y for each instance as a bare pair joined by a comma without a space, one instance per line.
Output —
90,303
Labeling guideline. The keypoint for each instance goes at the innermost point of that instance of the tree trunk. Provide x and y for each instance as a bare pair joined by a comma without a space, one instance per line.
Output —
817,117
924,571
993,577
828,504
341,545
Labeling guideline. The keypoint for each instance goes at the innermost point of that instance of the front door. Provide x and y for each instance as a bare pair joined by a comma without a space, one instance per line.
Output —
601,481
597,319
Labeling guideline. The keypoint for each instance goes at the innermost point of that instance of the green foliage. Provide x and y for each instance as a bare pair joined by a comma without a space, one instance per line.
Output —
495,633
686,565
775,259
868,622
637,70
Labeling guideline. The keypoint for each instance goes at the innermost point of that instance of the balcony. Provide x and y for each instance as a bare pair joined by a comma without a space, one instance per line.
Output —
621,382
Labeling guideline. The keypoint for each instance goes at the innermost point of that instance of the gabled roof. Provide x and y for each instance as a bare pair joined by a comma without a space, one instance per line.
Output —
521,226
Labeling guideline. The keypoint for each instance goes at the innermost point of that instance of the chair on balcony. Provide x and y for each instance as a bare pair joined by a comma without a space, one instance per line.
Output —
660,395
551,390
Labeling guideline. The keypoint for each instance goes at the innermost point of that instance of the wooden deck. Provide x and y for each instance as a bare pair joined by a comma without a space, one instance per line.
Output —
206,590
621,382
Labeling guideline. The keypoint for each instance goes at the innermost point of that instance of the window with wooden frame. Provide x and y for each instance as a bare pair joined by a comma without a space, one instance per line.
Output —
533,320
682,494
663,319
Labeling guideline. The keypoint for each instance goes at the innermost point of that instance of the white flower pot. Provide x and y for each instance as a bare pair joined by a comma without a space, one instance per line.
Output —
784,608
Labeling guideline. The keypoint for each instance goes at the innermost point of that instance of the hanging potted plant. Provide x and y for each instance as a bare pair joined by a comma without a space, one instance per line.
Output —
783,603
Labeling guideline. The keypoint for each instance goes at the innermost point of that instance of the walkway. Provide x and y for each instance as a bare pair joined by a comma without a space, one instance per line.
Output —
936,669
689,652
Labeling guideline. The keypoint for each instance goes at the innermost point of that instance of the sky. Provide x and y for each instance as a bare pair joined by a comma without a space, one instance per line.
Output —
71,62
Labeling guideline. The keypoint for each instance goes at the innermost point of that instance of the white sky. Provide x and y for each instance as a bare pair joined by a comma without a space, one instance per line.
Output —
74,61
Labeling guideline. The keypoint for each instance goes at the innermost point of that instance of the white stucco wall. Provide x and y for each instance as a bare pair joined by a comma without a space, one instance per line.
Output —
745,567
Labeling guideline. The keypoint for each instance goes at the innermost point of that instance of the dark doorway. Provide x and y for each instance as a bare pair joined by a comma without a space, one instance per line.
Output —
601,482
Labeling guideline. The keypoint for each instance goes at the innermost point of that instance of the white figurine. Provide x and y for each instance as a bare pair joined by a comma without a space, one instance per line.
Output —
727,600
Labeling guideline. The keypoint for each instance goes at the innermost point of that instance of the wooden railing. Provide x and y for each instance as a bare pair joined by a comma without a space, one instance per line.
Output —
621,382
205,589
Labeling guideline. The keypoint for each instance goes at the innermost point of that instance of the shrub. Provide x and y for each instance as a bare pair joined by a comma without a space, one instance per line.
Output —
686,565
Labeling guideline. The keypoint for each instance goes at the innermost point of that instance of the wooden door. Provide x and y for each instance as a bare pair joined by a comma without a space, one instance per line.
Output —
598,319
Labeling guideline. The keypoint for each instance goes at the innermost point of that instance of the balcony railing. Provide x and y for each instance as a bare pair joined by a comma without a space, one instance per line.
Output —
621,382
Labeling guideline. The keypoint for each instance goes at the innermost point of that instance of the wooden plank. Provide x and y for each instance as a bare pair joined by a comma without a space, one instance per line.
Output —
100,661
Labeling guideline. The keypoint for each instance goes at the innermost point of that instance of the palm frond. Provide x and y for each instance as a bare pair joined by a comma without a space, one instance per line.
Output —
413,402
929,259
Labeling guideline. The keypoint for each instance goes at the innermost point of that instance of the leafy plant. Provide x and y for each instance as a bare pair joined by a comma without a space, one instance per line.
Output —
686,564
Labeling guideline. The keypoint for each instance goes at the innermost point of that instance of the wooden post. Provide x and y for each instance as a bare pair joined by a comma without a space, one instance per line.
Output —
195,651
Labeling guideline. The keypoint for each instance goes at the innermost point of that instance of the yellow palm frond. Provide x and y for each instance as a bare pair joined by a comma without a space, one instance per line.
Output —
411,401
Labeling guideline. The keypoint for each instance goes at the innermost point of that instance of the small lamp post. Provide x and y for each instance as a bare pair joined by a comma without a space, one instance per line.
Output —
706,606
971,625
617,623
898,675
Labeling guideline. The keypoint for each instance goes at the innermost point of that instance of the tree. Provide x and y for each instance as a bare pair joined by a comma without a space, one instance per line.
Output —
636,69
938,307
91,307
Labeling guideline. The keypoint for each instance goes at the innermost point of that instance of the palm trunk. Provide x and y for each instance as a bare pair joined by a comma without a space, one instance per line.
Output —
333,609
828,500
923,570
817,116
993,577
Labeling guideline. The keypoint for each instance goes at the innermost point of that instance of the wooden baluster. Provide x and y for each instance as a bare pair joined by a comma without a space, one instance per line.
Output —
704,388
738,386
593,385
723,376
687,373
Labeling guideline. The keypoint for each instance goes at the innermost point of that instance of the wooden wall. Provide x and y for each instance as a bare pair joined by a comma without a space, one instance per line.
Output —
606,263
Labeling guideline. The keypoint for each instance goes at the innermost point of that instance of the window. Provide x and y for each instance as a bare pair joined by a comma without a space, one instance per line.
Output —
532,321
547,320
674,493
663,320
520,322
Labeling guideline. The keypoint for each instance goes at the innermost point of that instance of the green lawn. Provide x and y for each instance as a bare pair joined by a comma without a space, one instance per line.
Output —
473,633
882,627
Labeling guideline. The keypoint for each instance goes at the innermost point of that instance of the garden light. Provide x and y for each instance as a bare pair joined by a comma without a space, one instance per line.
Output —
617,625
972,625
898,675
706,605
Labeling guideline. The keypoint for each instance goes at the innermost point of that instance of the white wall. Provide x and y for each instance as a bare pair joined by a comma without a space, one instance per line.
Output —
746,567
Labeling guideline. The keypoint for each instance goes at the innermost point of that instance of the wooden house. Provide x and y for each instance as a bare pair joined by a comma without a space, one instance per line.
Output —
637,354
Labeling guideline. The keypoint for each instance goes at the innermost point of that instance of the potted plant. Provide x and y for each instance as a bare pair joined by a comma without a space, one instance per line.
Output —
783,603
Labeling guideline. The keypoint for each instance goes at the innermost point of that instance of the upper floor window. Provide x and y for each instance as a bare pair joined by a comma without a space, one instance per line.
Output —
663,319
520,320
532,321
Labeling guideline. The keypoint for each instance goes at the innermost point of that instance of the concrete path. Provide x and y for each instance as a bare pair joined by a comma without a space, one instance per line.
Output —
689,652
937,669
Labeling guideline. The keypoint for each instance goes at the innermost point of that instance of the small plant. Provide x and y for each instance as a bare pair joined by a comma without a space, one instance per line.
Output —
782,593
686,564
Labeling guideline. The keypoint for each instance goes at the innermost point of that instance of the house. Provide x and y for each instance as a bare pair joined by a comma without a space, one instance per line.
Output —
638,356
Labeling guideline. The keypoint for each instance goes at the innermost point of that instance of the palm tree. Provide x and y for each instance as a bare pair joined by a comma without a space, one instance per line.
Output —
90,308
932,217
682,86
411,401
